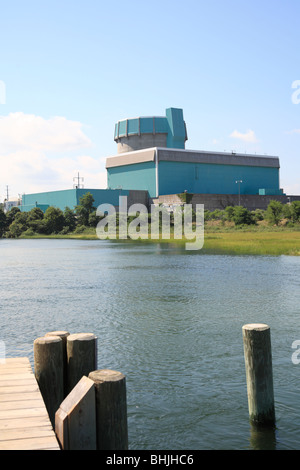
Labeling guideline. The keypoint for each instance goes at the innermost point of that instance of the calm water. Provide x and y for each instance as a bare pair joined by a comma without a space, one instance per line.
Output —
171,321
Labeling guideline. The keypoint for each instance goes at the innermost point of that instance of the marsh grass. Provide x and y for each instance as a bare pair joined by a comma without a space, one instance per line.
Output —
256,240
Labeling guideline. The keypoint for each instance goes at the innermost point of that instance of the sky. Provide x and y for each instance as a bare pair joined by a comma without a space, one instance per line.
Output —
70,69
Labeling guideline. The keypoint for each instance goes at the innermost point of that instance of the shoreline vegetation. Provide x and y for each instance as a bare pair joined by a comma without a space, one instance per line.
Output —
234,230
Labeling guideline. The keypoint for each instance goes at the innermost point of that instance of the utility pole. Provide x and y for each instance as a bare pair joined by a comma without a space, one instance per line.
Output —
239,183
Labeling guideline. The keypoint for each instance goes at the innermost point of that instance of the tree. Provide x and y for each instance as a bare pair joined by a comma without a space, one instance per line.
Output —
85,208
70,219
35,220
54,220
35,214
295,211
2,222
19,225
93,219
11,215
274,212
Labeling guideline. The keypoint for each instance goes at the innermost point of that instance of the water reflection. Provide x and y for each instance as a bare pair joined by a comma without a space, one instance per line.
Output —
262,437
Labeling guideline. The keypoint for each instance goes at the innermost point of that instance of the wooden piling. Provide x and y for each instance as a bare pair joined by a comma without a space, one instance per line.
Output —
111,409
48,370
259,374
63,335
75,421
81,357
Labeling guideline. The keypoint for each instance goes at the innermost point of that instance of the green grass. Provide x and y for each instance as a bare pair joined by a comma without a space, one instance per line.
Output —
256,243
253,240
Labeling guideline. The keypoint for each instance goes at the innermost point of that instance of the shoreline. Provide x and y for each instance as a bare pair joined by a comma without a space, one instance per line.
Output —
240,242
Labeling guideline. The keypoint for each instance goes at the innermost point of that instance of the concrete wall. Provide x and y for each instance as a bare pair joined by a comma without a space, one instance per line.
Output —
220,201
137,142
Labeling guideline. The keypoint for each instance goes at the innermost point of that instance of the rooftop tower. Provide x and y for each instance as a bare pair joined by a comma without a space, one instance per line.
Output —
155,131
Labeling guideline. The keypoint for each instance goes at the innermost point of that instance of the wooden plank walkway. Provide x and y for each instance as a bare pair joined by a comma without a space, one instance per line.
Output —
24,420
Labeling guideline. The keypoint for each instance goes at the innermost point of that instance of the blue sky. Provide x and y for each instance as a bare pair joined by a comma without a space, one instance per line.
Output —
70,69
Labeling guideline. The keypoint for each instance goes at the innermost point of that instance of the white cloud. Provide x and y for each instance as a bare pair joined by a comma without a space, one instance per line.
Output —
28,131
249,136
294,131
34,155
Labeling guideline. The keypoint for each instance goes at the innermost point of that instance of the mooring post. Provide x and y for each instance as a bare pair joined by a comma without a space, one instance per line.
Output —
81,357
111,409
63,335
75,421
259,374
48,369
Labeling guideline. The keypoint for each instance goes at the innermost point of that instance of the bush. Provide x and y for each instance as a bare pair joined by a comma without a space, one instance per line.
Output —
258,215
274,212
28,233
295,211
217,214
229,212
64,231
241,216
80,229
206,215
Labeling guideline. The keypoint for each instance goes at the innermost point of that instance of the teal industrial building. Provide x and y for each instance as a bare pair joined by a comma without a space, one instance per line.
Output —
71,198
152,163
164,171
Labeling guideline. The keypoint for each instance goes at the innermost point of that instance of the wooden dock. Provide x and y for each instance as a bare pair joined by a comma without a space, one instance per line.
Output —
24,421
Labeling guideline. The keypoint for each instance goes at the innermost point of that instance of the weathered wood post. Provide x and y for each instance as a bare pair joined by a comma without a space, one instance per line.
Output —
63,335
81,356
259,375
111,409
75,420
48,369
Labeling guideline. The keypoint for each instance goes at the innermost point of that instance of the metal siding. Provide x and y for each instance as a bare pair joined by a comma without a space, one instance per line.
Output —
122,128
218,158
133,126
136,176
103,196
177,130
146,125
70,198
161,125
177,177
60,199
